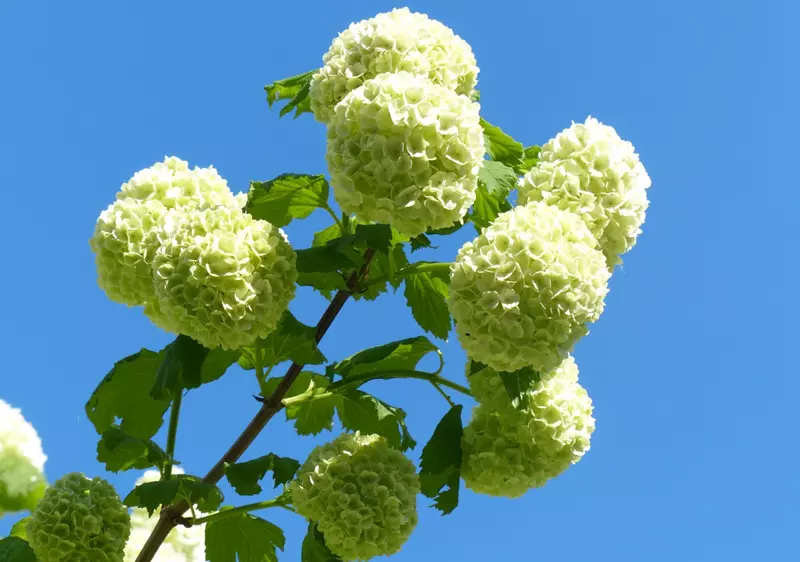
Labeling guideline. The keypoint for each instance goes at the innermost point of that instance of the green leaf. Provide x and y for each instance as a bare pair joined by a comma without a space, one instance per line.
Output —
217,363
518,384
426,296
500,146
398,355
490,198
125,394
314,547
151,495
498,178
294,89
419,242
20,529
15,549
310,416
119,451
243,537
359,411
290,341
530,157
440,464
447,230
182,368
245,476
287,197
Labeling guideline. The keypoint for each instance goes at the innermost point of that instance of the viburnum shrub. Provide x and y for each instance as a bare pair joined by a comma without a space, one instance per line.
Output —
411,161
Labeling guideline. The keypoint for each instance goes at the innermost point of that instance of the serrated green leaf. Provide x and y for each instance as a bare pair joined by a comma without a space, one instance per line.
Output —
287,197
498,179
447,230
398,355
294,89
290,341
119,451
530,157
243,537
125,394
487,207
314,547
440,464
359,411
20,529
15,549
419,242
518,384
500,146
311,416
181,369
152,495
426,295
245,476
325,235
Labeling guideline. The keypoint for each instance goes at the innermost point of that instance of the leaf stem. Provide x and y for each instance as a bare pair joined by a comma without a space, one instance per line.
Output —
275,502
335,218
259,361
172,435
443,393
436,268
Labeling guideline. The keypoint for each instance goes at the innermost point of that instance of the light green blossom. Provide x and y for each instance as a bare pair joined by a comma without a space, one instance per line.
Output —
405,152
396,41
21,462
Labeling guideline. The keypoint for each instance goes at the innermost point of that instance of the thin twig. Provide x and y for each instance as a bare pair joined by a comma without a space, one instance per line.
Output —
443,393
172,435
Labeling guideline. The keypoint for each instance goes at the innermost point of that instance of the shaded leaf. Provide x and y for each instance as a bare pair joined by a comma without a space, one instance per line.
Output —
419,242
426,295
243,537
245,476
440,464
359,411
290,341
181,369
152,495
500,146
314,547
311,416
20,529
518,384
294,89
530,157
119,451
398,355
287,197
15,549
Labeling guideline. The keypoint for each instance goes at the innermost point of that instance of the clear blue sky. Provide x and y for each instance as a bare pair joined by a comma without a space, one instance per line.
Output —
691,369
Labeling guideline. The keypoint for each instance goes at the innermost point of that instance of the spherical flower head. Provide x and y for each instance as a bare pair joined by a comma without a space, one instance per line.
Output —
183,544
589,170
523,291
507,451
21,462
362,494
405,152
396,41
79,519
222,278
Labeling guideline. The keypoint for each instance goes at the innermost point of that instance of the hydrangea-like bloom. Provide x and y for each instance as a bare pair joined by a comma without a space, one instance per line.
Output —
395,41
507,451
589,170
523,291
223,278
183,544
79,519
405,152
362,494
21,462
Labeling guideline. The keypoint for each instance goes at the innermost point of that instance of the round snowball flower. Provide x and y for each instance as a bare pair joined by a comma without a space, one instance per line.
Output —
405,152
183,544
507,451
396,41
222,278
21,462
589,170
523,291
79,519
361,493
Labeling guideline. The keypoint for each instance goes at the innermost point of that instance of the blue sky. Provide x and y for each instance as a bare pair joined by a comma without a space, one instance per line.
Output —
691,367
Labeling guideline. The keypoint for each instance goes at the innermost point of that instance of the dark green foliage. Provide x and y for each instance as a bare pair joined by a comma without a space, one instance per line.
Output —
243,537
245,476
152,495
287,197
294,89
440,464
119,451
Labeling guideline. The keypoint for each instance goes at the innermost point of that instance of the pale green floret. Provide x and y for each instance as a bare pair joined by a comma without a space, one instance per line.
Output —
222,278
523,291
395,41
21,462
506,451
589,170
79,520
405,152
361,493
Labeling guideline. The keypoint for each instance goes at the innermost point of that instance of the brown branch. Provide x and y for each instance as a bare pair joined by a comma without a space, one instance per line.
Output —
172,515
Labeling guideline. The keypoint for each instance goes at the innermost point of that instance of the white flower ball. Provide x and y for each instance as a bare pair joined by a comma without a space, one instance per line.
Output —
523,291
395,41
405,152
21,462
589,170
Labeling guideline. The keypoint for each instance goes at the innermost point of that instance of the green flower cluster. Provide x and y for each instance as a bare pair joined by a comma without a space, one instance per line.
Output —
21,462
507,451
589,170
395,41
523,291
177,242
361,493
406,152
79,520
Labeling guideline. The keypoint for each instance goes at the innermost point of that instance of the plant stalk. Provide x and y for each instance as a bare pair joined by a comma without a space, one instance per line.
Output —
276,502
172,434
440,268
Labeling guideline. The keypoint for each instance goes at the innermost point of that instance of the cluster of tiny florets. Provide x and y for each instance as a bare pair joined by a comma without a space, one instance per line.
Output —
79,520
589,170
361,493
506,451
177,242
406,152
523,291
21,462
396,41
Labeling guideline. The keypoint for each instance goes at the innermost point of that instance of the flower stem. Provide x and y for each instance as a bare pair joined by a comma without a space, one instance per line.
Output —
276,502
172,435
443,393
